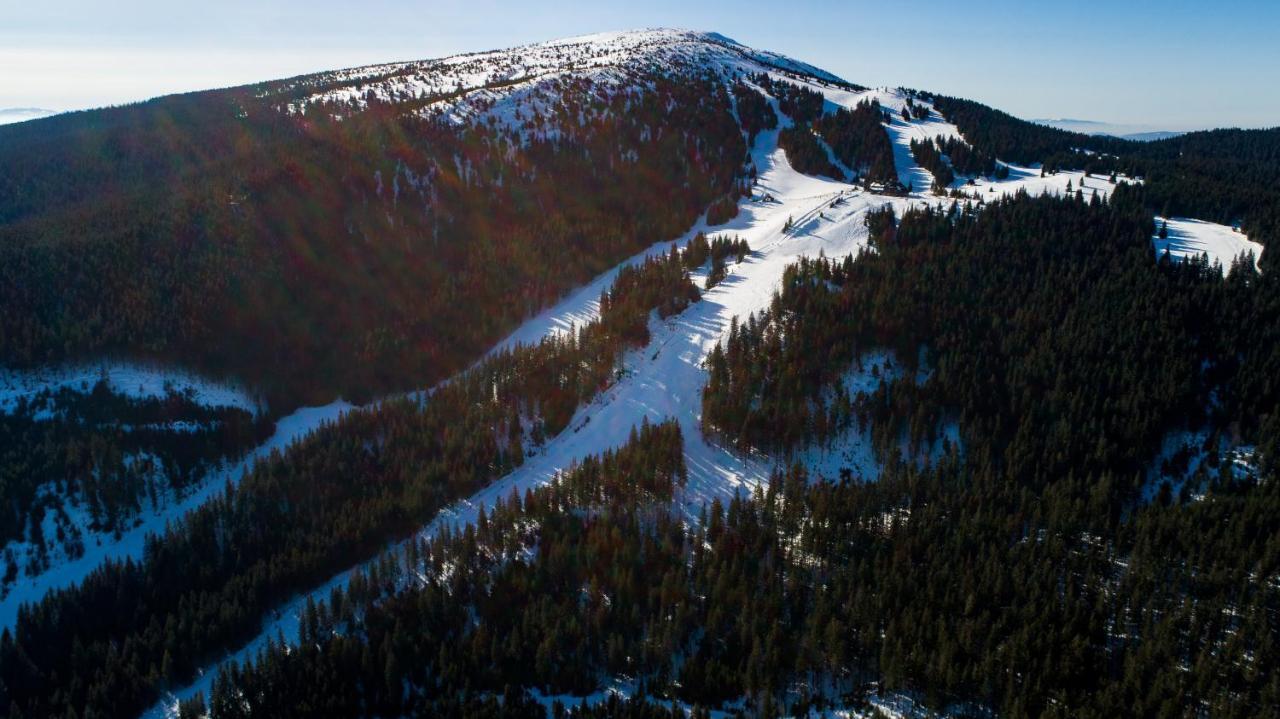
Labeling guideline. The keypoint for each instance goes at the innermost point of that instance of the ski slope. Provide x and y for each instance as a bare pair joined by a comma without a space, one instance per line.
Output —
665,378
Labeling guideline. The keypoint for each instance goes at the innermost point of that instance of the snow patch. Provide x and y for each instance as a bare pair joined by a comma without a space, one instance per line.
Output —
134,380
1189,239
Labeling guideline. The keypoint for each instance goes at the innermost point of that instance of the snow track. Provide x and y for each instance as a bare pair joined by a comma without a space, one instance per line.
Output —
665,378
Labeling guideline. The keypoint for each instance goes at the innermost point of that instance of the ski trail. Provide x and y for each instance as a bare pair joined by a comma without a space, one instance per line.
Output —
664,378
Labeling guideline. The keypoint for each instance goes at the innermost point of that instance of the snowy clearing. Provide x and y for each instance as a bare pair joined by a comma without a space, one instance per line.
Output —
1029,180
1189,239
131,379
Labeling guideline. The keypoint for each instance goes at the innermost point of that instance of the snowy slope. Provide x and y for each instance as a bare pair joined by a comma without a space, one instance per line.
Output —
665,379
100,546
461,83
902,133
1190,238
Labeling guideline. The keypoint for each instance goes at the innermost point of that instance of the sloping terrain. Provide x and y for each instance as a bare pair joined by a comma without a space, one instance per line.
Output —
1185,238
536,195
787,217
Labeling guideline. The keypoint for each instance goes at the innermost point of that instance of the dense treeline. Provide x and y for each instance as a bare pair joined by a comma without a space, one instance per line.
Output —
1225,176
109,453
659,283
381,252
1066,355
108,645
754,112
806,153
969,160
804,596
803,105
1025,143
1067,265
544,591
860,141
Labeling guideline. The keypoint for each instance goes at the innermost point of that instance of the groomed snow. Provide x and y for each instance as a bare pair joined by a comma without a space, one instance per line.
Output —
1190,238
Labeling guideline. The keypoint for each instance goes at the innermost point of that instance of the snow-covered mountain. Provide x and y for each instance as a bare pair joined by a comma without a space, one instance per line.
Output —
476,78
784,215
788,216
510,88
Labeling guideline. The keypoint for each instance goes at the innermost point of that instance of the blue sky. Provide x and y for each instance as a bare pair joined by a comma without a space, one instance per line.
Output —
1172,65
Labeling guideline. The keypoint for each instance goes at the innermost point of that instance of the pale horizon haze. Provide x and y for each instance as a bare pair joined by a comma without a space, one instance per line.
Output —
1144,66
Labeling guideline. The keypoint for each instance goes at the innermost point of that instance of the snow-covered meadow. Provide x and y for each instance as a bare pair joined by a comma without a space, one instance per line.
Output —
1189,239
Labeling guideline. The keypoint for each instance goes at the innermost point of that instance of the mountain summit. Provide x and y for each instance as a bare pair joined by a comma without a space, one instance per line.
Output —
458,81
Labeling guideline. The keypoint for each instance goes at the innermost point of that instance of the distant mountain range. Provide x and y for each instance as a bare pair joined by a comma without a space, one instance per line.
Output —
10,115
1141,133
